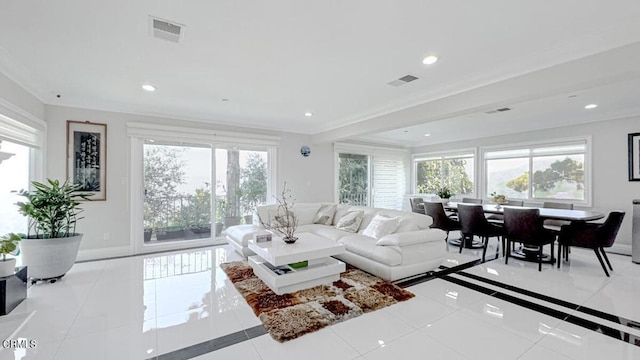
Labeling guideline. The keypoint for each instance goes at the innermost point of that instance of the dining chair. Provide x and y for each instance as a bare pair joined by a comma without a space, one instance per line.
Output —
552,224
498,218
474,223
440,219
592,236
417,205
525,226
471,200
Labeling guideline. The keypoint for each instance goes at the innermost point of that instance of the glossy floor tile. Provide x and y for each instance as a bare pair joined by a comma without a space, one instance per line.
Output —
172,303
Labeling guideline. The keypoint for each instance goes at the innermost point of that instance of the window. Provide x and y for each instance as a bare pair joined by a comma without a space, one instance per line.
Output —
369,176
538,172
453,171
21,141
14,160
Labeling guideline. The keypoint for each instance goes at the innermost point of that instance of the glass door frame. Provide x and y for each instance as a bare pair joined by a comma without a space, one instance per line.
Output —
137,189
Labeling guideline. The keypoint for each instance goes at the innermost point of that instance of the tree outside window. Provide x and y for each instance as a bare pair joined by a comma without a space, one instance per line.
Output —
454,172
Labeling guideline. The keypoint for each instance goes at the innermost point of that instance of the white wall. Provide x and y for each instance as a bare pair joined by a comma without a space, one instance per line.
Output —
611,188
311,178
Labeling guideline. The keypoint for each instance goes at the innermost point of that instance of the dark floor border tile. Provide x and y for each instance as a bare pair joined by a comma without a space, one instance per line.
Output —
587,324
597,313
435,274
205,347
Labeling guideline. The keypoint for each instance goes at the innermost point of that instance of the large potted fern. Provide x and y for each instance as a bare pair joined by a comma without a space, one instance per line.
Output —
51,246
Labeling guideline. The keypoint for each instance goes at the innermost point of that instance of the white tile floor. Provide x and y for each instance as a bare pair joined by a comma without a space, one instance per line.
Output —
141,307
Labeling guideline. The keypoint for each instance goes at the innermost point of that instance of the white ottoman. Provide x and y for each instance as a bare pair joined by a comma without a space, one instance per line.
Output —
238,237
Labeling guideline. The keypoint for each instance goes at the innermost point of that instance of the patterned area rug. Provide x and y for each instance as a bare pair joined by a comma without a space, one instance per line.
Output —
289,316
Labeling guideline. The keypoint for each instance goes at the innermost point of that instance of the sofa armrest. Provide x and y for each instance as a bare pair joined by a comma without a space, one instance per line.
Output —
412,238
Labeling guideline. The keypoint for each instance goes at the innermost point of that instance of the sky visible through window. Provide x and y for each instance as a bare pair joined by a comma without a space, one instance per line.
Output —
14,175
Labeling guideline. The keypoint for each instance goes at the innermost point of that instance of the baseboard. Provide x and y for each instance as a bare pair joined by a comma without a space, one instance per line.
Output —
103,253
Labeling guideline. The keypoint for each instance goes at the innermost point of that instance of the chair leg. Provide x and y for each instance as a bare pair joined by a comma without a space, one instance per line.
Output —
604,255
552,248
601,262
463,238
559,255
506,254
485,240
498,247
446,239
540,258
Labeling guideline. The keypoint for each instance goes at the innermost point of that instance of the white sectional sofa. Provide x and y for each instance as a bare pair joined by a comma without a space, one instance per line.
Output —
413,248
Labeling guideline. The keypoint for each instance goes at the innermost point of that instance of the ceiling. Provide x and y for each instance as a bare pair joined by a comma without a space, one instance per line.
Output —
274,61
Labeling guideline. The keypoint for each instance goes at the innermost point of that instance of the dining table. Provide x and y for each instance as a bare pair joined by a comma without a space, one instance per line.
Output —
545,213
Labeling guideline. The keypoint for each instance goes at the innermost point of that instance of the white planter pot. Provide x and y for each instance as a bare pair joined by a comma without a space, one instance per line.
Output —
49,258
7,267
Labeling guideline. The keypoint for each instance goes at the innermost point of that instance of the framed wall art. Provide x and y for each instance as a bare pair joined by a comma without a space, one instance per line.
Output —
634,157
87,157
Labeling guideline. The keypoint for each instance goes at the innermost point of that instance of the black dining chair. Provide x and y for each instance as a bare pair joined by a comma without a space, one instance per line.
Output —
471,200
474,223
417,205
552,224
592,236
440,219
499,219
526,226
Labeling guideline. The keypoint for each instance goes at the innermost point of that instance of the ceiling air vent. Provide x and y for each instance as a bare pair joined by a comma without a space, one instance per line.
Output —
166,30
403,80
499,110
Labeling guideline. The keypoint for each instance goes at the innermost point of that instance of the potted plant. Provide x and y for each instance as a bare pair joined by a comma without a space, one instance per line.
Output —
51,245
284,222
444,193
8,245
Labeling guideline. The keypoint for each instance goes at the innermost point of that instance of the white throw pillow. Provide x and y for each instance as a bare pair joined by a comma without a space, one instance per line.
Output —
381,226
350,221
324,216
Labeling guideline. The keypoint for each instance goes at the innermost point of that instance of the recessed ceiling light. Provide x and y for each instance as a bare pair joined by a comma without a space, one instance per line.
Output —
148,87
430,60
591,106
225,99
308,114
427,134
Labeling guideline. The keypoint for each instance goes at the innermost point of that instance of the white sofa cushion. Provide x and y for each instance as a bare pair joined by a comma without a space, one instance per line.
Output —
305,213
325,214
412,238
350,221
381,226
366,247
368,214
331,233
409,219
341,209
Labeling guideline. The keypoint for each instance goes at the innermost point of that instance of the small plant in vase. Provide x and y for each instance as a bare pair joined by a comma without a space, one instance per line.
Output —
284,222
8,245
444,193
499,199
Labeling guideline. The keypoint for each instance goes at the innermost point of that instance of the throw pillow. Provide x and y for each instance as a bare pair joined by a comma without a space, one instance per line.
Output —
350,221
324,216
381,226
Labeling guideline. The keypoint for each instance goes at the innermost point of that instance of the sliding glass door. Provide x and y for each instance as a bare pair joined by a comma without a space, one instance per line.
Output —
241,184
177,192
190,192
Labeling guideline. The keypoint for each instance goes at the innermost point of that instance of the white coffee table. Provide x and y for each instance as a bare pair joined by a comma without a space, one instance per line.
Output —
316,250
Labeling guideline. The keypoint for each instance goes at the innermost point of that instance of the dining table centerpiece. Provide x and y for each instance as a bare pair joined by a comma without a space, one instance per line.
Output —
498,199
